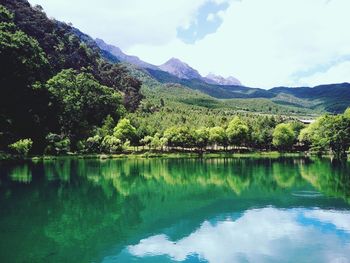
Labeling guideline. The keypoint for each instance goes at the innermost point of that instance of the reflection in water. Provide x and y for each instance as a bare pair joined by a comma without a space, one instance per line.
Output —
72,210
21,174
260,235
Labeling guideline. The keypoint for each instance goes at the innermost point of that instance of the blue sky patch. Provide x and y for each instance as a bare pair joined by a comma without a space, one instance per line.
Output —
206,22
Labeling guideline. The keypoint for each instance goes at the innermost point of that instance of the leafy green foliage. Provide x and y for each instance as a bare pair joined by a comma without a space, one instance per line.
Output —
111,144
82,102
22,62
93,144
54,79
329,133
201,137
283,136
218,136
179,137
5,15
57,144
237,131
22,146
124,131
117,77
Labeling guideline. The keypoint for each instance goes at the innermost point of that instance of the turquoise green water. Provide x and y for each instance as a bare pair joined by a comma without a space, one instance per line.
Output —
175,210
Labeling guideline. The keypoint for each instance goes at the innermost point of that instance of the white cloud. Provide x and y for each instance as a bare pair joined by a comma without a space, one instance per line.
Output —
336,74
124,23
264,43
341,220
260,235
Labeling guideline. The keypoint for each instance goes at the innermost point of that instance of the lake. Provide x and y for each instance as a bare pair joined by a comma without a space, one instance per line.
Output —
175,210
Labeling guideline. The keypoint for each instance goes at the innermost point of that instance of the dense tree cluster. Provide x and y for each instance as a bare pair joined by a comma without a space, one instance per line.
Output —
328,133
52,82
237,134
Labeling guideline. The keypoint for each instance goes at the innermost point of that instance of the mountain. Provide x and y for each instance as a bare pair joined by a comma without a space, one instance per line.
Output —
334,98
91,43
320,91
219,80
216,91
173,66
180,69
121,56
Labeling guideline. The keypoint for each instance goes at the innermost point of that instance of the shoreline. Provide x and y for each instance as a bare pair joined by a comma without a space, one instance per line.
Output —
162,155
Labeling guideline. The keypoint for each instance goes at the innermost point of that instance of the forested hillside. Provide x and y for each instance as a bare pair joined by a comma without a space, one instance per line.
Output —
54,83
333,98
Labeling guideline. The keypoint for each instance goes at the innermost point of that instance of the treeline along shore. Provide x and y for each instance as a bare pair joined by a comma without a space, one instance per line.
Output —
328,134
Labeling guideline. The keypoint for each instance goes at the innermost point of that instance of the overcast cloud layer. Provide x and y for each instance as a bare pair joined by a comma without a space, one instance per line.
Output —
264,43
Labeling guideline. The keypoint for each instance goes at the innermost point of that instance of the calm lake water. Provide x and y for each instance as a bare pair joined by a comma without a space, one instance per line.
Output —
175,210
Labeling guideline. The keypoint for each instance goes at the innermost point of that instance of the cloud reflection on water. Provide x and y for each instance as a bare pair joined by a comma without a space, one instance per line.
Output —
260,235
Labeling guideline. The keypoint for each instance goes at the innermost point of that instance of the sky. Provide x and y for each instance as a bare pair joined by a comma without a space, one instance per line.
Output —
263,43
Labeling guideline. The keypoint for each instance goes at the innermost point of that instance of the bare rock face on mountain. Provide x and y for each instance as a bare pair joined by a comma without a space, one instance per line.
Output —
180,69
173,66
120,55
219,80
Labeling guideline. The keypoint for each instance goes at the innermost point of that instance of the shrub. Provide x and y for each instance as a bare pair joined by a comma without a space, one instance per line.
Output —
57,144
22,147
111,144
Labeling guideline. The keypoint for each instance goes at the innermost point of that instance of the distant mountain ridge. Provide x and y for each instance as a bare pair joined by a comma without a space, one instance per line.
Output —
216,79
334,98
173,66
121,56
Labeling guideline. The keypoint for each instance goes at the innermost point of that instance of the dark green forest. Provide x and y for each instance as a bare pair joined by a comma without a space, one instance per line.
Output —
61,94
52,82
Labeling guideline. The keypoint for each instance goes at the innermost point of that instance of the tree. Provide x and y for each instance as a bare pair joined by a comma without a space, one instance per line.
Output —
297,127
313,136
146,141
155,143
82,89
111,144
5,15
107,126
217,136
180,136
347,113
339,135
22,146
81,102
237,131
283,136
117,77
261,130
57,144
201,137
93,144
125,131
22,62
328,133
